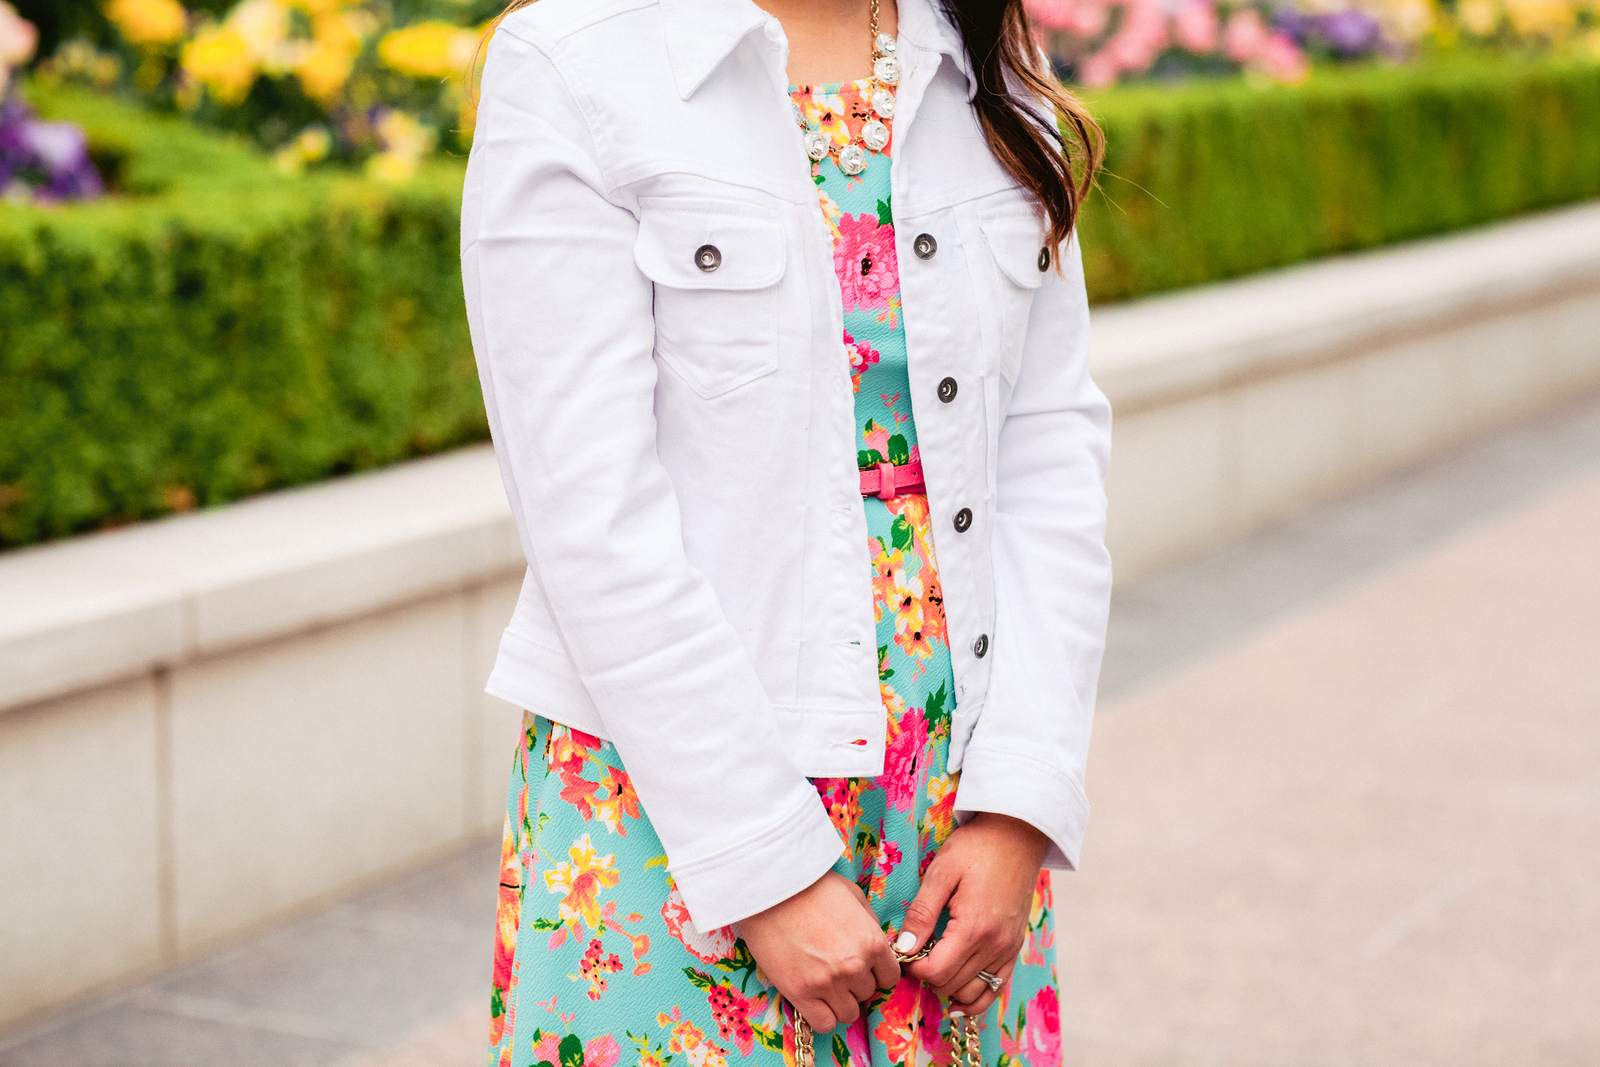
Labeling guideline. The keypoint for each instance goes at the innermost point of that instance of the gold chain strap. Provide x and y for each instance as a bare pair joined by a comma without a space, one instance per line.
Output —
963,1034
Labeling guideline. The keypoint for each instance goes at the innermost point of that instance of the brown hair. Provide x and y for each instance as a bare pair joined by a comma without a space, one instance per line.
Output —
1056,162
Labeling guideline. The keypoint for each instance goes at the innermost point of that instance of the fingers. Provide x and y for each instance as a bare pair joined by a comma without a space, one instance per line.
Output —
922,914
975,997
819,1016
885,968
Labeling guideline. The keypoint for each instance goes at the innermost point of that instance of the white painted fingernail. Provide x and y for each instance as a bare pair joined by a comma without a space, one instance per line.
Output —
905,942
957,1013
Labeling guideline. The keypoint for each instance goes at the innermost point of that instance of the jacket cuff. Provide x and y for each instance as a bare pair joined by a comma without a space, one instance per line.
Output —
753,875
1025,788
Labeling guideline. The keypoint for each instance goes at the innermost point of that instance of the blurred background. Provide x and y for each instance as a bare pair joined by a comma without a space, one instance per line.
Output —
255,557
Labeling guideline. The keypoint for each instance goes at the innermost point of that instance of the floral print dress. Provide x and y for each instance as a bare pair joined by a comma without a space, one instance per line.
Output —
597,963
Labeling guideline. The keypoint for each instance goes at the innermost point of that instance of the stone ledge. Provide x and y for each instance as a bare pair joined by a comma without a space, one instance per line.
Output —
1160,349
112,605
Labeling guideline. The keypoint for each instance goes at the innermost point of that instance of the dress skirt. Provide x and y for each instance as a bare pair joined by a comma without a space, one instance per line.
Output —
597,963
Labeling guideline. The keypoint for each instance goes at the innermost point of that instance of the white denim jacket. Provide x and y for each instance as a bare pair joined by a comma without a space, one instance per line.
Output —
678,444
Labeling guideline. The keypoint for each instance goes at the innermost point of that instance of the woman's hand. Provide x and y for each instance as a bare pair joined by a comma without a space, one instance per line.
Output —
984,874
824,950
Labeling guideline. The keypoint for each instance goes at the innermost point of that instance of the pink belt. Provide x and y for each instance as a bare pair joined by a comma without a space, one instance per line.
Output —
889,480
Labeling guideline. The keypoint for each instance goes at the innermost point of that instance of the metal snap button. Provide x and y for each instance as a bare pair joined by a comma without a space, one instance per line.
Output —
707,258
924,246
981,645
947,390
1044,259
963,520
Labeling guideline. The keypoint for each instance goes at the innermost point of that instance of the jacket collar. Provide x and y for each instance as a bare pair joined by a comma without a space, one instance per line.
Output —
700,34
923,25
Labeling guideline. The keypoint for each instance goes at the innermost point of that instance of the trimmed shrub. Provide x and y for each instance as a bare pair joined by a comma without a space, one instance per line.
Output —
1208,181
220,329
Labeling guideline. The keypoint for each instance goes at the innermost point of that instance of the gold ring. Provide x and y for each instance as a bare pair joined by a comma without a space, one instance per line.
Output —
994,983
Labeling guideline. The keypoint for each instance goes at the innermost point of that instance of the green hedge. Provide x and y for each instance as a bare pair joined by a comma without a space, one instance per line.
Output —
220,330
1209,181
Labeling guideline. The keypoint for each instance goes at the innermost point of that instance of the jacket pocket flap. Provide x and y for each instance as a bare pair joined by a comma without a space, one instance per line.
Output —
1017,243
688,243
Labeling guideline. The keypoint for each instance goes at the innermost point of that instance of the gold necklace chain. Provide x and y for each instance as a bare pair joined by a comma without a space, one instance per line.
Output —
852,157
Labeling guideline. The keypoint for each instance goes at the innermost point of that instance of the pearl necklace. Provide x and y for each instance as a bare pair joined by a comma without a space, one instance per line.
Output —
852,157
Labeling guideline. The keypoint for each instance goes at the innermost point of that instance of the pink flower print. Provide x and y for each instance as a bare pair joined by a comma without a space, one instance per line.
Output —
864,259
842,797
1041,1042
732,1011
855,1041
545,1049
875,438
862,355
601,1051
595,965
707,947
899,778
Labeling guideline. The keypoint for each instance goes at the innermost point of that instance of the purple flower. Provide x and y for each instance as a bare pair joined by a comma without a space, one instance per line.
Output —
50,157
1349,33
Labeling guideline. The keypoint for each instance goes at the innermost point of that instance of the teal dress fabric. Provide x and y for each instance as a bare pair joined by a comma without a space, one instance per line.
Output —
597,962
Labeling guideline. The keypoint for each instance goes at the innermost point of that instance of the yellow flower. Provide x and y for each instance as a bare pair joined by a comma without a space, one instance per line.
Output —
1406,20
391,167
320,7
220,59
1542,18
309,145
429,50
1480,17
148,23
323,71
580,882
400,132
690,1040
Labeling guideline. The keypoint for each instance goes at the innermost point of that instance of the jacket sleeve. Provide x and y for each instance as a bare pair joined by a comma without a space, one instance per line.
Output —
564,336
1028,750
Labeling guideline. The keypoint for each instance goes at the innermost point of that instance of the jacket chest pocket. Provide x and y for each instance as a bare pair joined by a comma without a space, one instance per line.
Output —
1016,242
716,267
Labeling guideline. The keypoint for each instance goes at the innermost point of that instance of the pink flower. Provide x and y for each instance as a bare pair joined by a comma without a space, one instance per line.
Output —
1246,35
1042,1041
1282,59
1195,27
899,779
864,259
862,355
1081,18
1098,70
601,1052
1089,18
1143,35
545,1049
707,947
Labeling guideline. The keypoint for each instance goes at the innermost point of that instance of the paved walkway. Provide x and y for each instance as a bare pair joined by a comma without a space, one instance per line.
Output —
1347,812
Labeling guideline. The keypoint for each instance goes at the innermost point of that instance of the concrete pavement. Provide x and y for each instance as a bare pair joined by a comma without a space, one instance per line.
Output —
1346,812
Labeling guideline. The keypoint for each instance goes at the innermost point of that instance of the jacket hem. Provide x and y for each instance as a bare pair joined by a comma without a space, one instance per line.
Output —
1018,785
749,877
